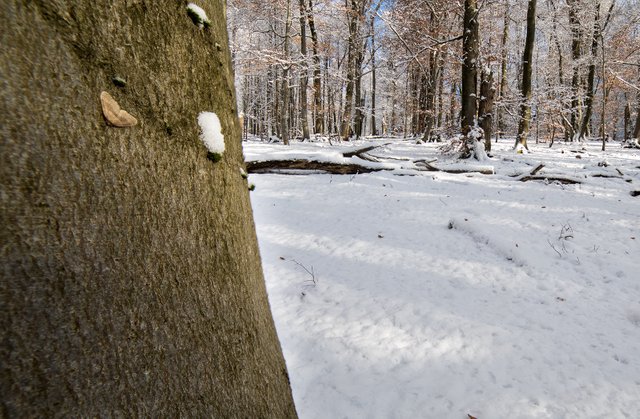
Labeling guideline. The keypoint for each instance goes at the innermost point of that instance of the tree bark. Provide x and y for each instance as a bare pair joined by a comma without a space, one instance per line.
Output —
304,77
131,282
527,61
503,70
374,129
285,87
355,11
485,111
627,122
317,73
636,131
469,66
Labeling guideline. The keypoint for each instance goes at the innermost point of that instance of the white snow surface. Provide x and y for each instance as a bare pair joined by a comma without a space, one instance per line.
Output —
440,295
211,132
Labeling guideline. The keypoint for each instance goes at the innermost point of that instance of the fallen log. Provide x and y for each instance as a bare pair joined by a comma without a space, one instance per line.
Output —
275,166
430,168
559,179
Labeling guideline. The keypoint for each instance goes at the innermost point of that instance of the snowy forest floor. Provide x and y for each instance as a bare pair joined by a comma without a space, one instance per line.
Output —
438,295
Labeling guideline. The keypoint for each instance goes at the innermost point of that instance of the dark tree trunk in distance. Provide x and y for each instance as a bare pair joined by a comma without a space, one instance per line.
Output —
503,70
304,77
586,118
469,66
485,111
627,122
285,90
527,63
576,53
131,282
636,131
317,74
374,129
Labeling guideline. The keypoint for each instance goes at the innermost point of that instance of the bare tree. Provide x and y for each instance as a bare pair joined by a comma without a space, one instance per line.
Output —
527,63
469,66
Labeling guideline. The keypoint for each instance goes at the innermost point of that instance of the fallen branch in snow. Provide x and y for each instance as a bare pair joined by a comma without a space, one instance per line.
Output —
605,175
563,180
276,166
430,168
536,170
360,152
311,272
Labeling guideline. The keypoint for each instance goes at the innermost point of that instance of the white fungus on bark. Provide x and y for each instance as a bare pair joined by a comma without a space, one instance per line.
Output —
211,132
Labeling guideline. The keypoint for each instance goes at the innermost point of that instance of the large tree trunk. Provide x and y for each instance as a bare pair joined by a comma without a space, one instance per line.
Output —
355,12
469,66
131,282
527,63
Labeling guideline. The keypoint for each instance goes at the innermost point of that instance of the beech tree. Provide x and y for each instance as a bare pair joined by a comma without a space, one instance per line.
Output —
131,278
527,65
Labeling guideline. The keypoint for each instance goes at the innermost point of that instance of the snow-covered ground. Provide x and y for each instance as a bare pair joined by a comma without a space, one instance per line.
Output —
404,294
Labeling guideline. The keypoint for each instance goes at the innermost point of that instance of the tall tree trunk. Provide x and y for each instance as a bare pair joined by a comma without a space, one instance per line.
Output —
430,98
441,91
527,63
452,104
469,66
485,110
359,101
286,86
627,122
576,54
317,73
304,77
131,282
588,102
636,131
561,82
354,14
503,69
374,129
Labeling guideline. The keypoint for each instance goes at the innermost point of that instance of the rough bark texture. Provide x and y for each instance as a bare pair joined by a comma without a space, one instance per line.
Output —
527,63
469,66
131,280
